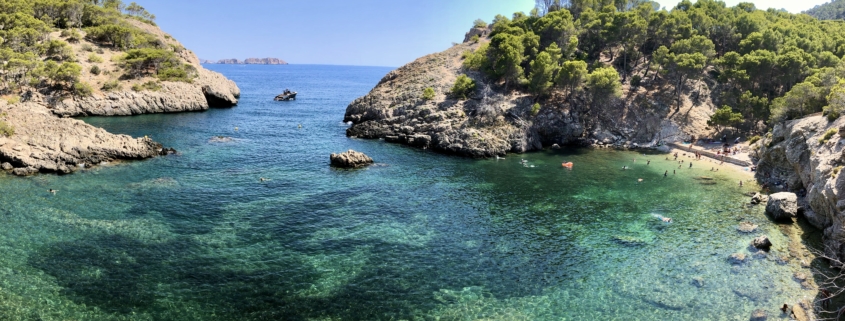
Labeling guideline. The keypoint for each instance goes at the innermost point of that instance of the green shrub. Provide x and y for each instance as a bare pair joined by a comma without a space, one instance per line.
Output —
831,113
463,87
95,70
478,23
636,80
150,85
474,39
93,58
827,135
535,109
6,129
754,139
82,89
112,85
13,100
87,47
476,60
428,93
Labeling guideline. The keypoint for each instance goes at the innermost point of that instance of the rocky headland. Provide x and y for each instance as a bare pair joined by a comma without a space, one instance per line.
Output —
36,134
495,120
43,142
248,61
208,89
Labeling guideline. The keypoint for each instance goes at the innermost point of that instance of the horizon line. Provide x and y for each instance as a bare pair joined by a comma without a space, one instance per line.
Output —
311,64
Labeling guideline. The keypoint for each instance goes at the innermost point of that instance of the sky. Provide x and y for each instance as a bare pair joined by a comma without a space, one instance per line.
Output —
341,32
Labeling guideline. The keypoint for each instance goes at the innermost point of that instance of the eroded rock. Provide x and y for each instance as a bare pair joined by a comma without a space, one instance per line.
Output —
350,159
762,242
746,227
737,258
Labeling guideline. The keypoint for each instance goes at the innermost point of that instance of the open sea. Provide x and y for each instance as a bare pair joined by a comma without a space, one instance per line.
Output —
417,236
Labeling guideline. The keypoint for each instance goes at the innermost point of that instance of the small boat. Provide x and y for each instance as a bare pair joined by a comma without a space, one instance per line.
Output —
286,96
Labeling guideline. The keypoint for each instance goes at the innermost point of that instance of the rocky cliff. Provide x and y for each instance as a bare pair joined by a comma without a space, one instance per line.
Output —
207,89
806,156
495,120
43,142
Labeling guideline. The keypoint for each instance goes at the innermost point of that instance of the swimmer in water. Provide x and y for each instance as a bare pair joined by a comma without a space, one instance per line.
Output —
648,162
52,191
663,218
263,179
673,172
624,167
740,183
665,173
690,165
639,180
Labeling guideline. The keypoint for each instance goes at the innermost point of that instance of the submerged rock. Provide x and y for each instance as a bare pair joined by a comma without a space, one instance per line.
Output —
762,242
758,198
350,159
737,258
782,206
747,227
629,240
759,315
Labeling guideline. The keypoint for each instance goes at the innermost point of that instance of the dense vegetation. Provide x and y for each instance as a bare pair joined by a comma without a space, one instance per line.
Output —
768,65
834,10
32,57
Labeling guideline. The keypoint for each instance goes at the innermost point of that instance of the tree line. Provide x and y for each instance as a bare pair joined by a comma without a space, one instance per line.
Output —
31,59
769,65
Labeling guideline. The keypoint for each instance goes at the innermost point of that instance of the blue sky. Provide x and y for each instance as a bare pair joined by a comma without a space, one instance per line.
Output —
341,32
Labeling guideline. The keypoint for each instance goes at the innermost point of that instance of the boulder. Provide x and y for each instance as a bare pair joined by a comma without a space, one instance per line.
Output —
759,315
737,258
350,159
782,206
762,242
6,166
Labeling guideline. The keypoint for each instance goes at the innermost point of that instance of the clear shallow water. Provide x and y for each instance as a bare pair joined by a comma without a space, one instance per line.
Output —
418,236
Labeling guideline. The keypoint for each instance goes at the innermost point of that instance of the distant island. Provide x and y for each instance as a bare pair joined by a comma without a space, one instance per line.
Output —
248,61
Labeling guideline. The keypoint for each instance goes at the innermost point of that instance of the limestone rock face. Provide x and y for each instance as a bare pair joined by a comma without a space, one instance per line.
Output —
43,142
795,156
782,206
350,159
210,89
495,120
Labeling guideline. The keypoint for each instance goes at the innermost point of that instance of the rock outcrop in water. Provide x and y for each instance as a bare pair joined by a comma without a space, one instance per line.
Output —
495,120
797,157
43,142
350,159
782,206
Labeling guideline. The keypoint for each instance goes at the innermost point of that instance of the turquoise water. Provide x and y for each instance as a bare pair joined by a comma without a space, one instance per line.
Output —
197,236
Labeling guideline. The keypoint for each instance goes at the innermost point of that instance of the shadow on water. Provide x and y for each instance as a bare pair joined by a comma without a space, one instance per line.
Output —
122,275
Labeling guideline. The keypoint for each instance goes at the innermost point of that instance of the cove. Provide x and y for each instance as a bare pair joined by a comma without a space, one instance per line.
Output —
419,235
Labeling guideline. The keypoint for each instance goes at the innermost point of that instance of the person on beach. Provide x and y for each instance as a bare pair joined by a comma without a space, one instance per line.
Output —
673,172
690,165
740,183
648,162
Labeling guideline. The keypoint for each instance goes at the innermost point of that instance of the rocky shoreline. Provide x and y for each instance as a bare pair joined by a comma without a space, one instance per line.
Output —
797,157
494,121
45,143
